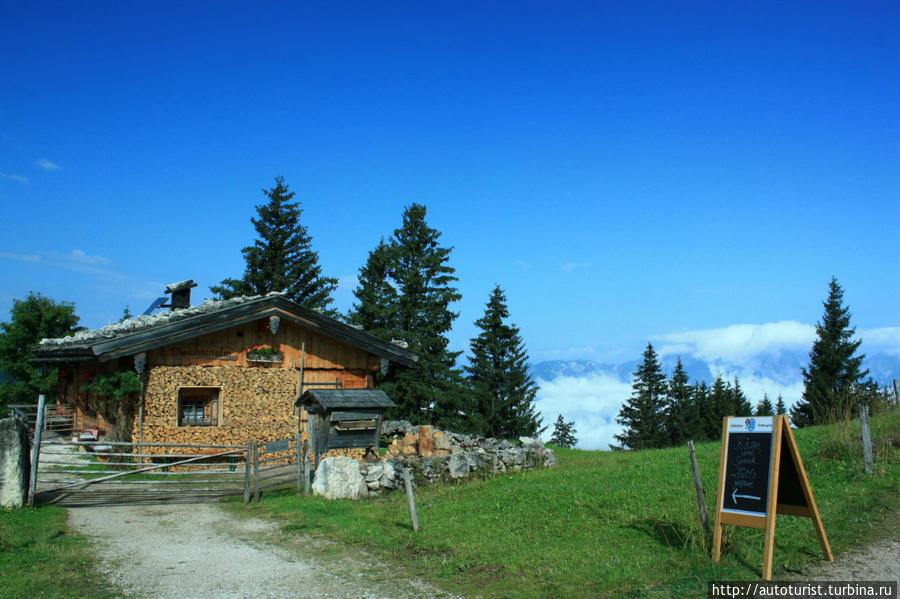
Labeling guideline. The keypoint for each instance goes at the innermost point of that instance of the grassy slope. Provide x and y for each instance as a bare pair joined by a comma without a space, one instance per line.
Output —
605,524
39,557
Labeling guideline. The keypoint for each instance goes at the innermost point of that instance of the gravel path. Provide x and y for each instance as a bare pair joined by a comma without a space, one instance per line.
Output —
185,551
878,561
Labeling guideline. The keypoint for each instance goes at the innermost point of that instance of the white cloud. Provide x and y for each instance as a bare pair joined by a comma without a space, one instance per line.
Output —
591,402
80,257
570,266
886,339
739,342
16,178
47,165
29,258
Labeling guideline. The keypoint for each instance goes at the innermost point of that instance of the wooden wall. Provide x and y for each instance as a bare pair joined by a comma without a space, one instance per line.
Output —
256,400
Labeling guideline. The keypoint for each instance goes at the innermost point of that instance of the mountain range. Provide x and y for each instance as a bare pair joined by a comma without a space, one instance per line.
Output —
783,367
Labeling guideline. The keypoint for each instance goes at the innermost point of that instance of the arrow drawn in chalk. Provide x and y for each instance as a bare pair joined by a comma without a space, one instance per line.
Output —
734,496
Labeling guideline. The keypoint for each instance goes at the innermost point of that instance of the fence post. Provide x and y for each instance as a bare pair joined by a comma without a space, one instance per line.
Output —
248,457
36,449
299,463
697,483
866,439
412,499
306,475
256,471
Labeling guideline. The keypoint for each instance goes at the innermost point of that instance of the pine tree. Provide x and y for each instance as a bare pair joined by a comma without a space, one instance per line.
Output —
502,390
830,381
643,414
32,319
681,418
432,390
563,433
764,407
780,408
709,425
375,310
281,259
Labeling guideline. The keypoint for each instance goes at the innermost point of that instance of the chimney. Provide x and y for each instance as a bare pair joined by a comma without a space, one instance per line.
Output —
181,294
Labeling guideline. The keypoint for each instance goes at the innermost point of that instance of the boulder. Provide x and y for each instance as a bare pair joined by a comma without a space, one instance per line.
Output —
458,466
338,477
15,462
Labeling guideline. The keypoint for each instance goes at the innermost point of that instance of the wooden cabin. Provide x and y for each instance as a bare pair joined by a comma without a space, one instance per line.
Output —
226,371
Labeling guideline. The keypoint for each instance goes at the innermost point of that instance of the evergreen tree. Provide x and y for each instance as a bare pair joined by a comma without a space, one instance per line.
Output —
780,408
281,259
741,404
432,390
721,400
709,425
563,433
764,407
682,419
502,390
375,310
33,319
830,381
643,414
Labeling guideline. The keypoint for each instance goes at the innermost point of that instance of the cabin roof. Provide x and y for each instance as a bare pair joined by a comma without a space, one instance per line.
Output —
342,399
150,332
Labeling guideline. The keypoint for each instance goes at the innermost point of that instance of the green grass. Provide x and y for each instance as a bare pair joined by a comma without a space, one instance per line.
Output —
40,557
606,524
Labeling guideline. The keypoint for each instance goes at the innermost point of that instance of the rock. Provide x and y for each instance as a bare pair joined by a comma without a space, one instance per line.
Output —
338,477
15,462
374,471
531,442
388,475
457,466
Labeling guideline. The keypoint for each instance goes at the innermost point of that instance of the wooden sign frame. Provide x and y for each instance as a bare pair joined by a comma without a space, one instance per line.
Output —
787,489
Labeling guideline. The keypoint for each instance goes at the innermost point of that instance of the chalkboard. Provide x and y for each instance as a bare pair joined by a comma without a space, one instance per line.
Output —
747,465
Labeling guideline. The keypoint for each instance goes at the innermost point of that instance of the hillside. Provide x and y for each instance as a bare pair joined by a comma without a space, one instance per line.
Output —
612,524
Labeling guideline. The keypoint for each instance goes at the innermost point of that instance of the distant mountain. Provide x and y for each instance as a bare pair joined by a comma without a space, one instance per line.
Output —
783,367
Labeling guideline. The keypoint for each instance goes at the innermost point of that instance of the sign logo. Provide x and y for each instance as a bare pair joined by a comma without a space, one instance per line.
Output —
750,423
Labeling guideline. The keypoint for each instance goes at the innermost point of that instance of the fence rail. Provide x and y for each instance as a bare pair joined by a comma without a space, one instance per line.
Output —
57,419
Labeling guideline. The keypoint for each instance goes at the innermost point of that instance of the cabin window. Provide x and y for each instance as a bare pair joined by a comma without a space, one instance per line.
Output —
198,406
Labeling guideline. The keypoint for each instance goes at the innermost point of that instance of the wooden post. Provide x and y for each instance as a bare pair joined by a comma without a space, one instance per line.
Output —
248,457
772,515
866,439
412,499
306,467
299,462
697,483
36,449
255,471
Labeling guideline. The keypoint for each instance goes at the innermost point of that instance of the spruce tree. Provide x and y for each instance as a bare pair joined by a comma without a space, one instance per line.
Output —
709,426
563,433
740,402
830,380
375,310
764,407
643,414
431,391
502,392
281,258
682,419
780,408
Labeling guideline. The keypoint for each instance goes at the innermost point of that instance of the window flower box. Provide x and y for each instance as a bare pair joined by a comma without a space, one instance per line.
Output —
264,353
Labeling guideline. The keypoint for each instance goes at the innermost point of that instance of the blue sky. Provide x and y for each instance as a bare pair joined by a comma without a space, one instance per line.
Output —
625,171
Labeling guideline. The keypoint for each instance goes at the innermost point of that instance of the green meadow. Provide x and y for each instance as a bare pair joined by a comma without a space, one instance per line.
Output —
606,524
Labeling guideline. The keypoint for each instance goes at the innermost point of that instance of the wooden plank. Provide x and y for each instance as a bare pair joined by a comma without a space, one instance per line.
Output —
412,499
36,449
747,520
807,491
701,503
772,515
866,439
717,529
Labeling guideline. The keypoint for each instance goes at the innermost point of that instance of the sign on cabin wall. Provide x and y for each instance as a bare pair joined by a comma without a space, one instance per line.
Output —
761,475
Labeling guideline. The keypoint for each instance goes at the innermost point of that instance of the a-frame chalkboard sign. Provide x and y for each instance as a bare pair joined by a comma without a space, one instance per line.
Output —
761,475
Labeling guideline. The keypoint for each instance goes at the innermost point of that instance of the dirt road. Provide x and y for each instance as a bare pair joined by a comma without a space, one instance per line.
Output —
185,551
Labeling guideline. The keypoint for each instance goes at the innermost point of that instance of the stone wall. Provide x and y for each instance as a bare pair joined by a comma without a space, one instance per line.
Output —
466,457
15,462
